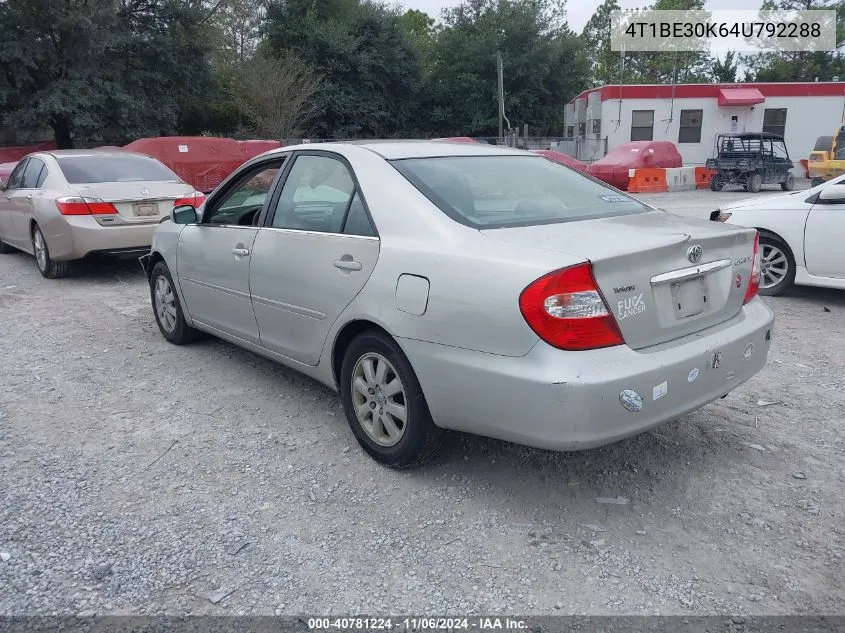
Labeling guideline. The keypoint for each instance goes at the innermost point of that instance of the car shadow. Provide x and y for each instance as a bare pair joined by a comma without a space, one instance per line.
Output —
105,268
823,297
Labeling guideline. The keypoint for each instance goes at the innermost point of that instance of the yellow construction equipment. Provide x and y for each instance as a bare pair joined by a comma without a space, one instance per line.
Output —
827,160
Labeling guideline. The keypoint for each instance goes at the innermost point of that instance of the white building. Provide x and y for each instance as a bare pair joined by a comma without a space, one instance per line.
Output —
691,115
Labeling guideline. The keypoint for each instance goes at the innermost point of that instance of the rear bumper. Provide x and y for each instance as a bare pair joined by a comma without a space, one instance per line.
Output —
79,236
571,400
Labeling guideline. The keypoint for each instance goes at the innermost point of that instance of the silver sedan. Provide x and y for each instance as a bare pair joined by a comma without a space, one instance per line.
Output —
454,286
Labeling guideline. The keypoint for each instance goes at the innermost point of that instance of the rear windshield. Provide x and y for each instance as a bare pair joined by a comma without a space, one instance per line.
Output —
500,191
113,168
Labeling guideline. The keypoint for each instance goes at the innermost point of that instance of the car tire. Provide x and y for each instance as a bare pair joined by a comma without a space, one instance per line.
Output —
717,183
5,249
815,182
755,181
168,309
789,183
374,403
777,272
47,266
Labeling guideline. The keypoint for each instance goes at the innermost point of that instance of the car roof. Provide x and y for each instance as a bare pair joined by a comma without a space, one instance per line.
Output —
395,150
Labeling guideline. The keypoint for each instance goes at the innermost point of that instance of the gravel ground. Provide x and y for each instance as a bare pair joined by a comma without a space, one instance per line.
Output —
140,477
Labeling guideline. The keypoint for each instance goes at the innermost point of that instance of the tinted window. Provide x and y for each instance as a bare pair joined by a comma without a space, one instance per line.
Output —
357,221
774,121
690,128
500,191
113,168
32,173
642,125
315,197
242,203
16,177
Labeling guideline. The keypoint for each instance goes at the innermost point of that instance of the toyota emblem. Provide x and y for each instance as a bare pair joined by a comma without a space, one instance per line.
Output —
694,253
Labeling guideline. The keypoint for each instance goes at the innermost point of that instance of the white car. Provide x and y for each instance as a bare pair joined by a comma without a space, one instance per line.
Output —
801,235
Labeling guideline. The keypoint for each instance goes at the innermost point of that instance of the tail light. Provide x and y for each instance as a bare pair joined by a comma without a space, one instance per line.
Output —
84,206
754,282
195,199
566,309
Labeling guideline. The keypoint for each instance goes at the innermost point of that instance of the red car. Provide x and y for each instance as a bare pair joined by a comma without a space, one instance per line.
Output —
614,168
561,158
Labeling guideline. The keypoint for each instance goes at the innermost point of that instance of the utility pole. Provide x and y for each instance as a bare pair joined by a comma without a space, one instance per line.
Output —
501,95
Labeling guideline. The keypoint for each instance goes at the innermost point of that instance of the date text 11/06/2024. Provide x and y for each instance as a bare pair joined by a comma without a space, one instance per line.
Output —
415,624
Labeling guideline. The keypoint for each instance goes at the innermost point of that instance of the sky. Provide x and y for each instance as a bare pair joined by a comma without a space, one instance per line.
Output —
578,12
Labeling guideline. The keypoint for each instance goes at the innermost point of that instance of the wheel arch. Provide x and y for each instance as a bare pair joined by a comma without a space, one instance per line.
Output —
345,336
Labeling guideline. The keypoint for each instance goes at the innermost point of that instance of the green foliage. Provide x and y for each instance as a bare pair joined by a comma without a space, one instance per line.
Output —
724,71
604,62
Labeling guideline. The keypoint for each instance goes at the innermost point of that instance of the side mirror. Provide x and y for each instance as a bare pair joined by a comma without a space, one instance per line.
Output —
184,214
832,194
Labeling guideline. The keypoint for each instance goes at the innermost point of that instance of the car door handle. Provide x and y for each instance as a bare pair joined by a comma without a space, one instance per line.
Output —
347,264
241,252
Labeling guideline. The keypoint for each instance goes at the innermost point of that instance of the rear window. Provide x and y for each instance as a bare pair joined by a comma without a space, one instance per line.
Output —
501,191
94,169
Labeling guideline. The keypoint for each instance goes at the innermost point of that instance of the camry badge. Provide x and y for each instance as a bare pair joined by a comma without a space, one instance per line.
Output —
694,253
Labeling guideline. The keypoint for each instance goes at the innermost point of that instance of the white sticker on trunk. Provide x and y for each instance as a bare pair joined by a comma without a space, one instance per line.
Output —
630,306
660,390
692,375
183,149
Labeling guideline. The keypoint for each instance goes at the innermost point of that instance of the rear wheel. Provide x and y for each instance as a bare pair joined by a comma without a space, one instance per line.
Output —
167,309
717,183
384,403
789,183
777,267
47,266
755,181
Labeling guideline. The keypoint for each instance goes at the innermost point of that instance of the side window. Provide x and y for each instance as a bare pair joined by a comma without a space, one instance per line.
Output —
357,222
32,173
316,195
16,177
242,203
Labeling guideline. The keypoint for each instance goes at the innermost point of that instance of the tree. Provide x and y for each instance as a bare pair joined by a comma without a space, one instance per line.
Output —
544,67
371,71
724,72
100,68
596,35
800,65
276,94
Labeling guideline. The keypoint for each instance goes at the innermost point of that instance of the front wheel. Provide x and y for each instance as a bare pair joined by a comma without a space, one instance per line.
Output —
789,183
777,268
167,308
384,403
755,181
47,266
717,183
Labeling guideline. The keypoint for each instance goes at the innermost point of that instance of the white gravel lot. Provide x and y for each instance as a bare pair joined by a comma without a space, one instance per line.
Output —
140,477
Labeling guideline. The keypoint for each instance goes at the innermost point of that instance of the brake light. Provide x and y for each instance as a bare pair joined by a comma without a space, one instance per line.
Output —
754,282
195,199
84,206
567,310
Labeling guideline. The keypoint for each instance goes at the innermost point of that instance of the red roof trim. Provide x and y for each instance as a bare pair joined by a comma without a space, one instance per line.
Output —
691,91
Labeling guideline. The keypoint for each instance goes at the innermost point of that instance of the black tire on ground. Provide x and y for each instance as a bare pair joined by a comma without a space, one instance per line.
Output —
717,183
167,308
768,245
815,182
419,435
5,249
789,183
47,266
755,181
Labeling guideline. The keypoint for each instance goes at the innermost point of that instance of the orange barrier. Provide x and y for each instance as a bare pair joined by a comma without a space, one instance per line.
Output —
703,176
647,181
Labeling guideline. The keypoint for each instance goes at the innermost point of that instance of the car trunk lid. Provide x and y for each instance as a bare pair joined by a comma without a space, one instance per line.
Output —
135,202
663,276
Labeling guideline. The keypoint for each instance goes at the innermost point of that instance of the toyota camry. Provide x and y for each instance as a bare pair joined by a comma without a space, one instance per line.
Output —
467,287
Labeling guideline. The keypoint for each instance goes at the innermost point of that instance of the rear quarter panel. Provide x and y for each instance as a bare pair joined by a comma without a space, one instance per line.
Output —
788,224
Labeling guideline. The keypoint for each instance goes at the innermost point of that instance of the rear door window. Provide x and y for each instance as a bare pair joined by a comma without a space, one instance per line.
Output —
32,173
16,177
93,168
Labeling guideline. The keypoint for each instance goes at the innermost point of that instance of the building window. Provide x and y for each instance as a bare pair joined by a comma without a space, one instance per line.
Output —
774,121
596,128
642,125
582,128
690,131
570,131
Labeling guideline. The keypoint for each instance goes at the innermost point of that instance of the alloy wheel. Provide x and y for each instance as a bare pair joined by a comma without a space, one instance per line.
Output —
40,247
379,399
165,304
774,267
